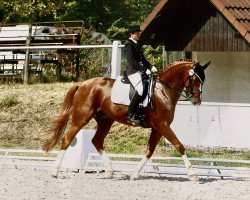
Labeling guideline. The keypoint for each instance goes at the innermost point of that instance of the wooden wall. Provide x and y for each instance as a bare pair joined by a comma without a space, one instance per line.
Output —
217,35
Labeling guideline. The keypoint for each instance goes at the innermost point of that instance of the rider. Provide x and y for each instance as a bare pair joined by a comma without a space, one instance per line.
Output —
138,67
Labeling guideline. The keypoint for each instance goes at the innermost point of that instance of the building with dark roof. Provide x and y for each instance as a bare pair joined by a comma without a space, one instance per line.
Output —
199,25
216,30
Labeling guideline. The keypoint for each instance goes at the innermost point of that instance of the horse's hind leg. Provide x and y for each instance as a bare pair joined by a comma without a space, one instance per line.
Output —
152,142
79,119
171,137
104,124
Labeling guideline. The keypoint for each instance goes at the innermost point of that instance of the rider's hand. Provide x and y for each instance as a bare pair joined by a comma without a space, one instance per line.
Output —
153,69
148,72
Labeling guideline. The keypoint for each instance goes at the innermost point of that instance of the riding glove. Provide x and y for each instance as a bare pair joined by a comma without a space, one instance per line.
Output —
153,69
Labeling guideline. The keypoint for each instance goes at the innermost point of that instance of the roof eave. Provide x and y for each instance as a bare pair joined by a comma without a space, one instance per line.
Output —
232,20
153,14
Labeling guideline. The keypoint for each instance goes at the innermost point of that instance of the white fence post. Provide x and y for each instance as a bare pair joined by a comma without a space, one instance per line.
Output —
116,59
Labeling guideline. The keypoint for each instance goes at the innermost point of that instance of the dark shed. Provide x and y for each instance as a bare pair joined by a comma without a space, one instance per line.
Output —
199,25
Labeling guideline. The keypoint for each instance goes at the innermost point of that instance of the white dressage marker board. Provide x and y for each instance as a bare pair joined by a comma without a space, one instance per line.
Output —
213,125
77,153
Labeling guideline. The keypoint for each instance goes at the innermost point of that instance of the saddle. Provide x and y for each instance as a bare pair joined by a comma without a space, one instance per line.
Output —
132,90
123,90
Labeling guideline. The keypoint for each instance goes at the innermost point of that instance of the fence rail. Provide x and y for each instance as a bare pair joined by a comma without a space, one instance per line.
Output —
115,60
210,167
51,47
19,157
156,165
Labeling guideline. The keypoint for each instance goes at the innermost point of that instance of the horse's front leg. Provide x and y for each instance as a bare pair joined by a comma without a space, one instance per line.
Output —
152,142
192,176
168,133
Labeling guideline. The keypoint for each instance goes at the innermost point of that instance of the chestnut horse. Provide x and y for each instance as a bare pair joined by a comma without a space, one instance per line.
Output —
92,99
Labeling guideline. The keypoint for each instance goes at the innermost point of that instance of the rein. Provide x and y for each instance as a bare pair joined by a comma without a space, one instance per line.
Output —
188,92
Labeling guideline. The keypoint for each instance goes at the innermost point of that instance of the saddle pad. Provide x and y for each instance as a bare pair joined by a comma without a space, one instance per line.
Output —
120,93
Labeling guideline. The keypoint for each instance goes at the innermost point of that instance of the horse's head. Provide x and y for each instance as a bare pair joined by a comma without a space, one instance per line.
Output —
194,80
186,77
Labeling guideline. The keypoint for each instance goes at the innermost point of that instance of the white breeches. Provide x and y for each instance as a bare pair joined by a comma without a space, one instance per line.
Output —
136,80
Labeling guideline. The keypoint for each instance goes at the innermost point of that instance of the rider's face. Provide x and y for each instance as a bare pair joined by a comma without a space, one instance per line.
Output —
136,36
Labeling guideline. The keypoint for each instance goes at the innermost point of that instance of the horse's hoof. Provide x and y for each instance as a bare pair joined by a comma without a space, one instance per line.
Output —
54,173
54,176
109,174
192,177
134,177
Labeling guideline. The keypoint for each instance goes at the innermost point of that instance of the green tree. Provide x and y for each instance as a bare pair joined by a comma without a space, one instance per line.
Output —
108,17
133,12
16,11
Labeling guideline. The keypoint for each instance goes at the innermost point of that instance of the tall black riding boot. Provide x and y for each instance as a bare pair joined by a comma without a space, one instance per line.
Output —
132,109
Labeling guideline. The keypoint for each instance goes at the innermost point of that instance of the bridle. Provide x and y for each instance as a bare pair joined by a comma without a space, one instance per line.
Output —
188,91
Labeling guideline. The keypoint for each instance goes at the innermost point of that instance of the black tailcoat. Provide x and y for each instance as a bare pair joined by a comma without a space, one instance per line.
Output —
135,57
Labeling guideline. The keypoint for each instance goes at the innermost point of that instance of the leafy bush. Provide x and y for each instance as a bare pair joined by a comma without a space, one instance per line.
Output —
154,56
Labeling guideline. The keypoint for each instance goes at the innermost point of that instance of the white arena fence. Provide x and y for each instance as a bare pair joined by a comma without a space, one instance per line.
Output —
205,167
115,46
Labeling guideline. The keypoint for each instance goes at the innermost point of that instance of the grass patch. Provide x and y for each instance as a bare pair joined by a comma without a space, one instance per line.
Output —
8,101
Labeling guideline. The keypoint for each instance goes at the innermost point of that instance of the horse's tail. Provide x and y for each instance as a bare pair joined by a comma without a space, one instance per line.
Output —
60,123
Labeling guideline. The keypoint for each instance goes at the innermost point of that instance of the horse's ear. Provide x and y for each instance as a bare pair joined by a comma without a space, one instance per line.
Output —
195,65
206,65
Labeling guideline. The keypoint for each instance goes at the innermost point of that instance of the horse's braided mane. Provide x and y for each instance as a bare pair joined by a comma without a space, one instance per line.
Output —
174,63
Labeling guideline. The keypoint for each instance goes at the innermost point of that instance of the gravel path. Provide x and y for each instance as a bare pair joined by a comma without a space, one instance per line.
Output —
31,184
